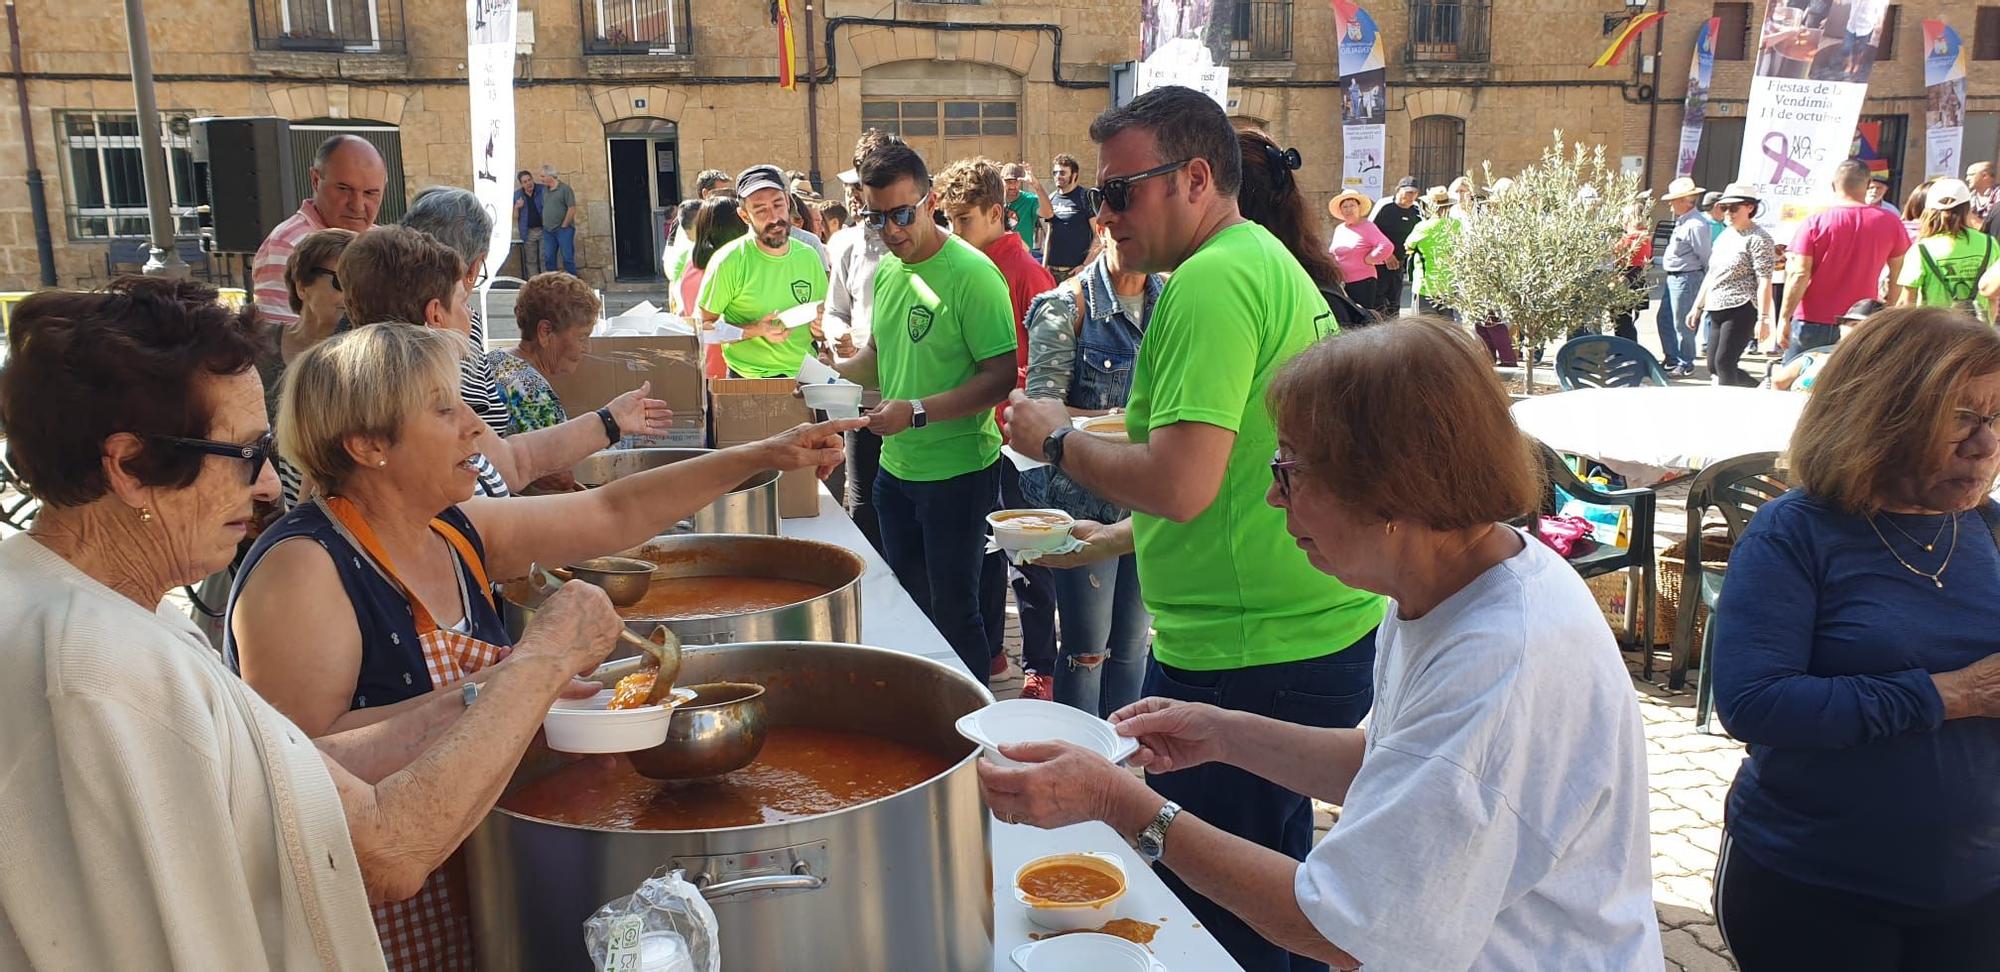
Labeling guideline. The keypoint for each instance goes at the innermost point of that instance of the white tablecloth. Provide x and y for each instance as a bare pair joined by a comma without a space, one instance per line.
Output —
889,619
1651,434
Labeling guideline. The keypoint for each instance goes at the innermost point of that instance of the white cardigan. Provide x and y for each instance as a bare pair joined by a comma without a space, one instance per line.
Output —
155,812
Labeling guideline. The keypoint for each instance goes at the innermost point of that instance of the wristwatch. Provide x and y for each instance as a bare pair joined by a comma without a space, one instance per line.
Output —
917,417
610,425
1052,446
469,693
1152,841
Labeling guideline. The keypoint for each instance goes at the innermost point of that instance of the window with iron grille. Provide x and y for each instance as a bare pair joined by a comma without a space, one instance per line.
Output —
1732,37
306,136
1986,35
656,27
329,26
1261,30
104,181
1437,149
962,119
1448,30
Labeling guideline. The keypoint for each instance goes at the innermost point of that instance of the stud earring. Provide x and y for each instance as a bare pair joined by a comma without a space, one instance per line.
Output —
379,463
145,514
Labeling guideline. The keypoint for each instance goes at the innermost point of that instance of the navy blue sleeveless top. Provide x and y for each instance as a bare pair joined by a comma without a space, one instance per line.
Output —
392,660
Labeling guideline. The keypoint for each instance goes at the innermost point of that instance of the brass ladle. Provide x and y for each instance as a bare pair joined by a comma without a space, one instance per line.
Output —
662,645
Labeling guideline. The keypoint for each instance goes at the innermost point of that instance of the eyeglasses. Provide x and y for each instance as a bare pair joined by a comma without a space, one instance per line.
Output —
1281,472
902,216
254,454
483,274
1118,192
1967,423
318,272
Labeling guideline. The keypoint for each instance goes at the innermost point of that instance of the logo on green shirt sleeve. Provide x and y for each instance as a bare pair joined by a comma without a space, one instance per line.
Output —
801,291
921,319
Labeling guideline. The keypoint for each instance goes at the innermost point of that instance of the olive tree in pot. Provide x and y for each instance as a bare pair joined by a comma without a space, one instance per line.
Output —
1544,254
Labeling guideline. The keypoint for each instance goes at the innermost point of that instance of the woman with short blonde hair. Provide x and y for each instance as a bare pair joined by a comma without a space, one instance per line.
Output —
1499,789
1854,653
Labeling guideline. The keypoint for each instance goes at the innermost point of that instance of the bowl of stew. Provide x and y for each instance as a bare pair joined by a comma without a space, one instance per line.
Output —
1071,892
1039,530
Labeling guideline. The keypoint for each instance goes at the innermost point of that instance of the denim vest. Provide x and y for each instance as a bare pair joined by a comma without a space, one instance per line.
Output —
1107,347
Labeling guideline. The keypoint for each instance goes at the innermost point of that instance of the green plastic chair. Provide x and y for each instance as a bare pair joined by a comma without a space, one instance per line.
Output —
1737,487
1636,559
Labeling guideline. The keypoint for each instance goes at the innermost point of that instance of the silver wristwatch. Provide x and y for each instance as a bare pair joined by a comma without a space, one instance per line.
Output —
918,417
469,692
1152,841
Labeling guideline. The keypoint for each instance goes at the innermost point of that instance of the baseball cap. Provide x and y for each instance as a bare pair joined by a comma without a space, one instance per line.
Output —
759,177
1947,194
1408,182
850,177
1013,170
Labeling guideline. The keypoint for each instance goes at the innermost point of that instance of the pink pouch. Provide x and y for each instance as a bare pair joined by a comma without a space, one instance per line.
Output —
1566,535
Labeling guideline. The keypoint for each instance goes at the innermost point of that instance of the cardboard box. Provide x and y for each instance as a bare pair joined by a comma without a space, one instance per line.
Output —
619,364
749,409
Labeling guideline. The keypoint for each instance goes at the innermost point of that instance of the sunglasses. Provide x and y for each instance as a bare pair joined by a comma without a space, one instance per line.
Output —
1281,472
902,216
1117,192
254,454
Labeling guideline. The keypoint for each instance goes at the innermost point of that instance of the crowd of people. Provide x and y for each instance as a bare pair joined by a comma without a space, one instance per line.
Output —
1266,560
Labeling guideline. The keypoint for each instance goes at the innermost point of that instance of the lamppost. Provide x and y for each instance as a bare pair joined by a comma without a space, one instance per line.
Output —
1635,8
165,260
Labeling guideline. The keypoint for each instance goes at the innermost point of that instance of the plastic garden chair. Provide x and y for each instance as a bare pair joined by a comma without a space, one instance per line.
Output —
1636,558
1738,487
1606,361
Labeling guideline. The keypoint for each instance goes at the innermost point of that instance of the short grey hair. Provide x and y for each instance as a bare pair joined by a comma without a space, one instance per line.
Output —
454,217
548,170
328,148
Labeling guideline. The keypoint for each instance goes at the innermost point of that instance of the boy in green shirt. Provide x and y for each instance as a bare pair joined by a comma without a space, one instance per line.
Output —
1432,241
1023,205
942,352
1241,619
755,277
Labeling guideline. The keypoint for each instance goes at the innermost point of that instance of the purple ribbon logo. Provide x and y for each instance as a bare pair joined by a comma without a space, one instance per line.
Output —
1781,154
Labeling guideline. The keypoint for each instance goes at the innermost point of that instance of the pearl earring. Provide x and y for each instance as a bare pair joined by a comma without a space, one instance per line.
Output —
145,514
379,463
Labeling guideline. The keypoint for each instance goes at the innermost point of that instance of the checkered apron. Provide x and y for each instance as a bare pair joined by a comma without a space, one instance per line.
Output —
431,932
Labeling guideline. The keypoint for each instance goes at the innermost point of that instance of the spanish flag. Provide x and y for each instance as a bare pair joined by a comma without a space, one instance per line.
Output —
1619,43
787,79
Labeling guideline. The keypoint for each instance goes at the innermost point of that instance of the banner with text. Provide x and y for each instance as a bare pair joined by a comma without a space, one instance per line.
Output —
1694,113
1364,99
489,69
1173,49
1944,94
1812,75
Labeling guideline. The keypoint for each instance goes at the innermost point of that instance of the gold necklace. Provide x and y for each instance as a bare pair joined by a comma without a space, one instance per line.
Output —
1930,547
1937,578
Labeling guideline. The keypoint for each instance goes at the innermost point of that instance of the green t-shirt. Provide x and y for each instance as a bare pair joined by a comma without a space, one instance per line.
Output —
1432,241
1027,210
744,284
1230,588
934,322
1960,260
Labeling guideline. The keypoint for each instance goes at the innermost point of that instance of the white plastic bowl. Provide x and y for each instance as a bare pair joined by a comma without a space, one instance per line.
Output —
1063,917
1014,535
1085,952
1033,720
1104,426
586,726
839,399
799,316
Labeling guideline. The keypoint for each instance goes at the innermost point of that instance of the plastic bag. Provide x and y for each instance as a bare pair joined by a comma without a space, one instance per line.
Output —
1568,536
664,926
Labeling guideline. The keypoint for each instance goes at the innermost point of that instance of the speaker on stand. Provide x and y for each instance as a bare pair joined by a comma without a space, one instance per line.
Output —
244,168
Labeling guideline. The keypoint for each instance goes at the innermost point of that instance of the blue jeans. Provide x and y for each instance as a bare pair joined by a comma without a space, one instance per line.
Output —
562,240
934,538
1677,343
1331,691
1104,629
1808,336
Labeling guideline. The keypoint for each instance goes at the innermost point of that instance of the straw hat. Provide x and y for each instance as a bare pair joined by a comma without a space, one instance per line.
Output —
1740,192
1681,188
1439,196
1354,194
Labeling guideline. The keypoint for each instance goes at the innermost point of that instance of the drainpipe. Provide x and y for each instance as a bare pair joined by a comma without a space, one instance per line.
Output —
38,204
812,104
1653,100
165,260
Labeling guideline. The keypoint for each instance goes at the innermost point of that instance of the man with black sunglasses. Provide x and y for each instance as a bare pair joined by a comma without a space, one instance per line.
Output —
941,349
1241,619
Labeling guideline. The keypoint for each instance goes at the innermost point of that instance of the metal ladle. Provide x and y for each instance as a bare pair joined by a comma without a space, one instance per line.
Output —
662,645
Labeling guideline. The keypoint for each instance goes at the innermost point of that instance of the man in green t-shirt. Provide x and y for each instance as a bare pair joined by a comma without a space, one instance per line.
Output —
755,277
1024,207
1241,618
1432,242
941,350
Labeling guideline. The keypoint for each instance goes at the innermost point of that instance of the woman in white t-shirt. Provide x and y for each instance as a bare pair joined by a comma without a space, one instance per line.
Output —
1494,808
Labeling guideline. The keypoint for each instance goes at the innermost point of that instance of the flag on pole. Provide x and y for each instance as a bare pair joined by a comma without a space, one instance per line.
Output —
1626,35
787,79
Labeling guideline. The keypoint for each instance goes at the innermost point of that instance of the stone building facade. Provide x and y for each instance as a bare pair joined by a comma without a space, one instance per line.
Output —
629,99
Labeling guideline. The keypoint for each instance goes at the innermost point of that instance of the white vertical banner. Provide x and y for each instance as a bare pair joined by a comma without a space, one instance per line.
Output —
1361,158
1364,99
1184,62
489,69
1944,94
1812,75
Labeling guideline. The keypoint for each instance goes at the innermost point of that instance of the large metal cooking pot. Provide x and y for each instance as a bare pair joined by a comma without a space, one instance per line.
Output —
833,616
903,882
751,507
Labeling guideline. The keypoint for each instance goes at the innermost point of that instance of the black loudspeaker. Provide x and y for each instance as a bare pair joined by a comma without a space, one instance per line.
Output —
244,166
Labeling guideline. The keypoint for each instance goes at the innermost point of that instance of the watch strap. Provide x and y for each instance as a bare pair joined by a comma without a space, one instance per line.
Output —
1152,841
1053,446
611,430
918,417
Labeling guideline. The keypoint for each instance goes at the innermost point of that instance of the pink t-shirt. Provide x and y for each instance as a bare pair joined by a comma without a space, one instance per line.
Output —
1358,248
1849,246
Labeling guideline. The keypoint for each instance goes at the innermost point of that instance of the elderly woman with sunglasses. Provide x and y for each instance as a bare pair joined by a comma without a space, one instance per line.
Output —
157,812
1494,809
1855,654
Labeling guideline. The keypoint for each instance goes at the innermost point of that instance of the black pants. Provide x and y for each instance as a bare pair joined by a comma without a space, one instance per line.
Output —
1389,291
1730,331
864,458
1034,593
1425,305
1775,924
1367,293
934,535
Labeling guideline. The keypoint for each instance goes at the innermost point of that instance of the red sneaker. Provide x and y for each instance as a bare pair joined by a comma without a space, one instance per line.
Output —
999,666
1038,686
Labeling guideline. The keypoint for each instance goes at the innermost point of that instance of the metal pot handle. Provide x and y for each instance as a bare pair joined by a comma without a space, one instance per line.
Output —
801,880
684,526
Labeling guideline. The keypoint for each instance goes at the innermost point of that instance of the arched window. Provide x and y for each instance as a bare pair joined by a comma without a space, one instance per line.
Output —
1437,149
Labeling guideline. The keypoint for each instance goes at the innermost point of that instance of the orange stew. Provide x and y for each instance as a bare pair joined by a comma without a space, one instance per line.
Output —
687,598
633,690
1069,884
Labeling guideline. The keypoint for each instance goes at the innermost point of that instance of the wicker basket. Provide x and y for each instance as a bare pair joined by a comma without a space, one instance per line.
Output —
1714,557
1609,589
